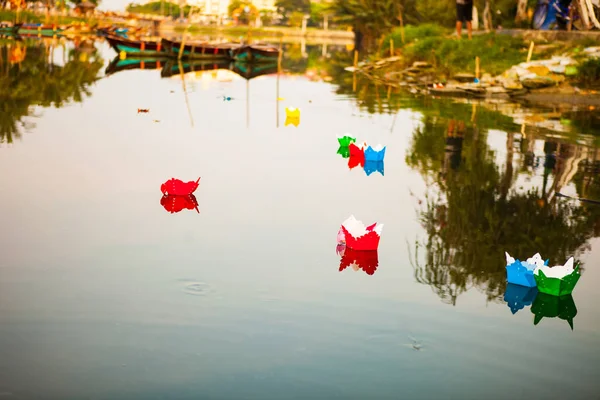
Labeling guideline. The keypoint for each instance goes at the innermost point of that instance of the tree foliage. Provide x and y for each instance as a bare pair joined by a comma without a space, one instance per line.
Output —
157,8
287,7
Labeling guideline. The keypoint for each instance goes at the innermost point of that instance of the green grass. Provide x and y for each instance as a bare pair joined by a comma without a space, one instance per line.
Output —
449,55
497,52
589,73
415,33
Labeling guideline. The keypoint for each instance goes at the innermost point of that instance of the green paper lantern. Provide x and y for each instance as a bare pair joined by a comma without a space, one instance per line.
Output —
557,286
346,140
344,151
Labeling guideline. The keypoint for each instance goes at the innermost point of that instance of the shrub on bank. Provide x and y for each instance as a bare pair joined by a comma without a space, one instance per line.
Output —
589,73
435,45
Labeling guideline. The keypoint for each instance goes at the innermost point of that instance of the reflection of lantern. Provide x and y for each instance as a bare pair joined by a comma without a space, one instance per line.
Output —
17,54
175,204
292,116
344,151
517,296
357,156
367,260
549,306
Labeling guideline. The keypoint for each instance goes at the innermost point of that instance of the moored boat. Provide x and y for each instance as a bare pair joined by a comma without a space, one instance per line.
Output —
255,53
198,50
39,30
139,48
116,31
8,28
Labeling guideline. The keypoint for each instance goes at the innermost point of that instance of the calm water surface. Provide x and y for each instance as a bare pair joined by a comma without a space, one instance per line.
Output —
104,294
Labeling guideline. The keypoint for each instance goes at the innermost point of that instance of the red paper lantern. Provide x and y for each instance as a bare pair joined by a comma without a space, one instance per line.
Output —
368,241
179,188
357,156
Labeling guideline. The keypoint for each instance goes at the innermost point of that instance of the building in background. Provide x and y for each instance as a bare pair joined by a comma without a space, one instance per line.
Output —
217,10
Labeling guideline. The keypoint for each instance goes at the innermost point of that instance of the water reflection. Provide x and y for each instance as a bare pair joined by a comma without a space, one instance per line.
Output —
31,76
517,296
174,203
548,306
292,116
372,166
366,260
481,202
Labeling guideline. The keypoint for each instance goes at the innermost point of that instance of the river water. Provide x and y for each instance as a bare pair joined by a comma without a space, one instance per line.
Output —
106,294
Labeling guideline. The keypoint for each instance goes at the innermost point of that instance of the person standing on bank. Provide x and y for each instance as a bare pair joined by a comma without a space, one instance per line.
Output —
464,13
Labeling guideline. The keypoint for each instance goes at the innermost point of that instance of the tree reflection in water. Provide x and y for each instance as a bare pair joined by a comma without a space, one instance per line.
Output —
34,79
475,208
476,212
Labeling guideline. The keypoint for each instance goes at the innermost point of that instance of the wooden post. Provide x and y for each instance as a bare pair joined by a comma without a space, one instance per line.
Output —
401,26
530,51
570,24
477,67
180,55
391,47
279,58
187,103
355,58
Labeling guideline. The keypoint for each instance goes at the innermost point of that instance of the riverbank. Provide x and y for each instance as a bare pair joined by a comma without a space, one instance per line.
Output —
430,60
270,31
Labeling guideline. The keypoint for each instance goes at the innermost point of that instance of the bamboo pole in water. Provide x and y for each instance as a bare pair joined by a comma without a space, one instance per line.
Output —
247,103
187,28
187,103
279,57
354,73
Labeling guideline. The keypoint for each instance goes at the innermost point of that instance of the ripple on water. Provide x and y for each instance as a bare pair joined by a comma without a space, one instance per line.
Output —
197,288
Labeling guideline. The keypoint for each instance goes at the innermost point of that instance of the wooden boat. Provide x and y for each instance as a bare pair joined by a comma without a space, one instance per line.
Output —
197,50
255,53
8,28
149,63
39,30
139,48
116,31
172,68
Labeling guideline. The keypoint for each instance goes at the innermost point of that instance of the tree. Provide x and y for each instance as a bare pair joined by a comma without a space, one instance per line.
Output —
287,7
371,18
242,11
